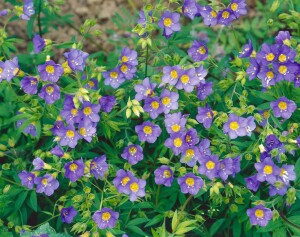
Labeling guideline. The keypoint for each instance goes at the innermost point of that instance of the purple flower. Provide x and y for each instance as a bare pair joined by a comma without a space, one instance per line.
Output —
253,69
259,215
74,170
38,43
198,51
286,54
266,115
169,100
164,175
27,179
107,103
235,126
128,71
38,163
98,166
11,68
148,132
67,214
69,137
283,107
58,128
190,155
191,137
209,15
190,183
296,80
204,148
225,16
187,80
250,125
129,56
175,122
28,10
238,7
279,187
122,181
267,76
30,129
252,183
92,84
225,168
283,37
209,166
247,48
204,90
268,53
114,78
71,114
46,184
50,71
153,106
272,142
144,90
267,170
76,59
287,173
285,71
175,142
136,189
57,151
87,130
2,71
90,112
4,12
106,218
133,153
190,8
205,116
171,74
29,85
169,22
201,73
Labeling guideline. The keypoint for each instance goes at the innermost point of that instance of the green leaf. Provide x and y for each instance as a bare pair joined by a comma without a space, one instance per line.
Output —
276,121
216,226
184,230
297,170
33,201
236,228
186,223
137,230
155,220
137,221
174,221
20,200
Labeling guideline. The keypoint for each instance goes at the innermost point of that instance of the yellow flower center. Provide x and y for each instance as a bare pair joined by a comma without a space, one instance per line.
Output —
70,134
266,114
282,171
189,152
166,100
44,181
87,110
74,112
184,79
270,75
188,138
282,69
234,6
210,165
167,22
50,69
73,167
282,105
208,115
149,92
175,128
154,104
1,69
132,150
49,90
177,142
124,59
202,50
91,83
174,74
125,180
282,58
259,213
167,174
225,14
29,178
134,187
234,125
213,14
106,216
270,57
268,169
113,75
147,130
124,68
82,131
16,71
93,165
190,181
32,82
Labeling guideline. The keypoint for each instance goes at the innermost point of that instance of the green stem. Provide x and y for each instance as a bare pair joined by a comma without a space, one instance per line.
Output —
12,182
146,66
288,222
39,19
157,196
181,212
46,221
